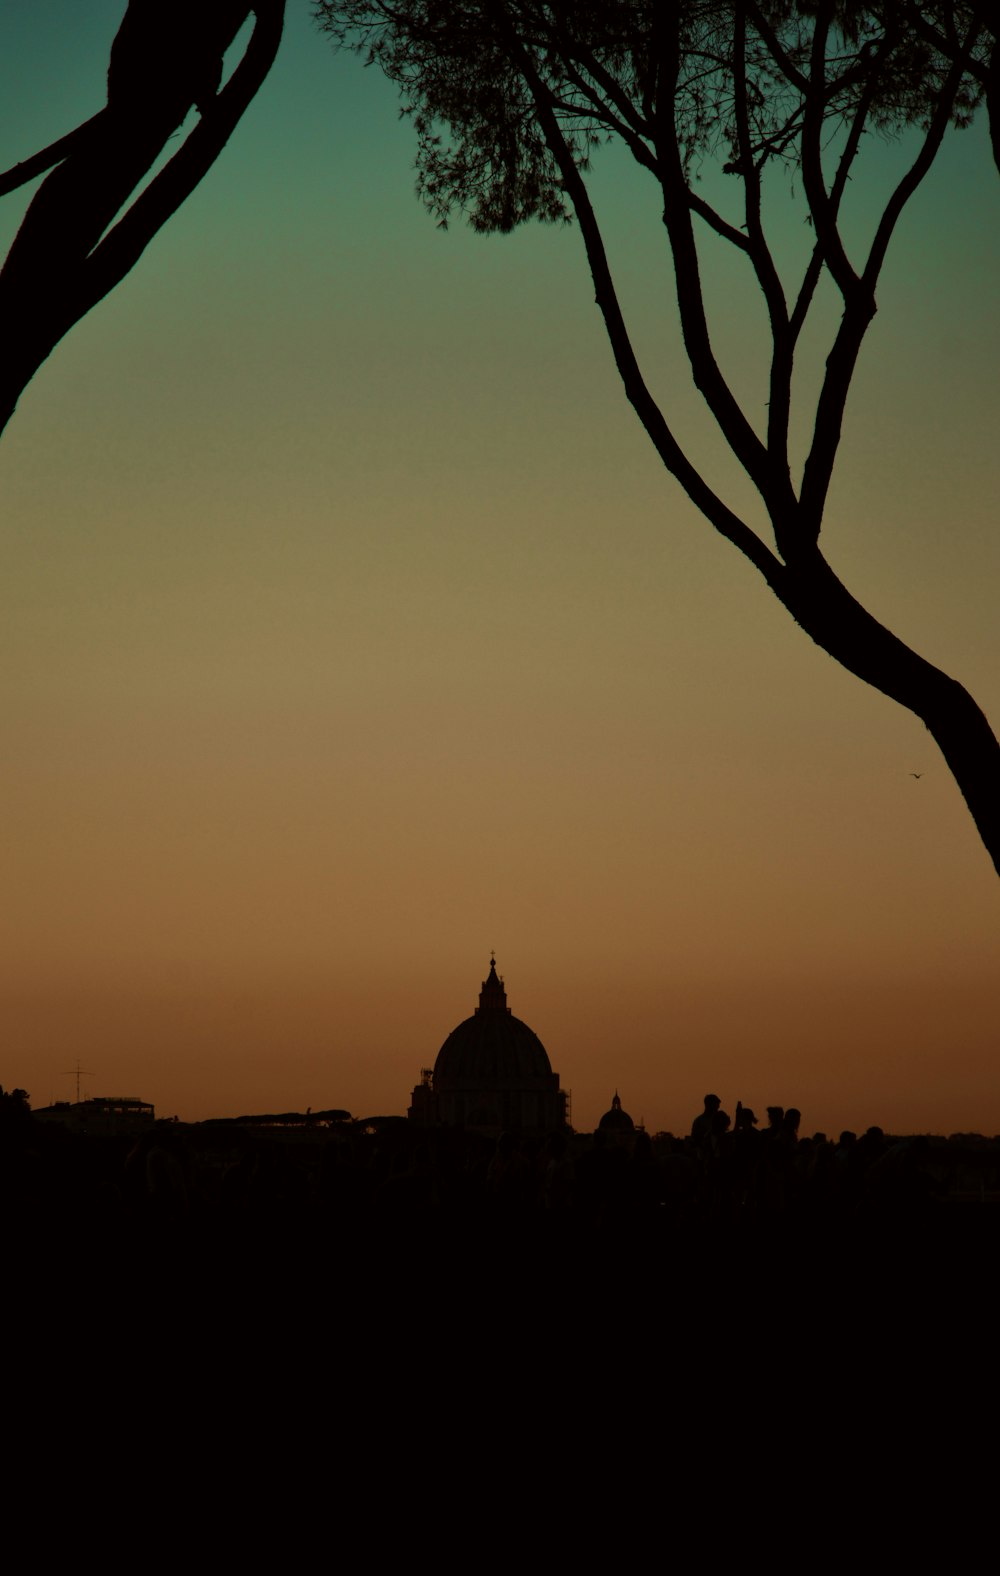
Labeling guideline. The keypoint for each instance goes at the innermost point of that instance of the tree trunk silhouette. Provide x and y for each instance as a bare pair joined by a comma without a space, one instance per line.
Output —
823,607
509,99
71,248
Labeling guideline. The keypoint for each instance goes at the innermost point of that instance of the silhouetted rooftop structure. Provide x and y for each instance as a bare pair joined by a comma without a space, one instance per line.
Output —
101,1114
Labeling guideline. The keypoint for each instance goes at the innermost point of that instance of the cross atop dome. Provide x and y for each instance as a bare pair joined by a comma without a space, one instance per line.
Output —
493,997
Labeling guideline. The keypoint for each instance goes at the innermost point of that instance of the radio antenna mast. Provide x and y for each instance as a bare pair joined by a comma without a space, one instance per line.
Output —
78,1072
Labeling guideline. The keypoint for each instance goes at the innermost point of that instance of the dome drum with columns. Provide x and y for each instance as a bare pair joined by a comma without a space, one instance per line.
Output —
492,1073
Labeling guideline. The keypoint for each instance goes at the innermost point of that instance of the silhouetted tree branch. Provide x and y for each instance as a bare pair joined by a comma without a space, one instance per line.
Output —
509,99
39,162
945,26
72,247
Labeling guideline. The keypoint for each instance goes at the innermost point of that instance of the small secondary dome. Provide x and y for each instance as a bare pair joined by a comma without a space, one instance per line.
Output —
616,1120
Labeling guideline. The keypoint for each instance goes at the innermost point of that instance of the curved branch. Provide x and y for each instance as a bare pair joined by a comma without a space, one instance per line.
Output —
834,255
915,174
763,263
716,222
636,389
125,244
823,607
21,174
993,102
64,258
858,313
769,477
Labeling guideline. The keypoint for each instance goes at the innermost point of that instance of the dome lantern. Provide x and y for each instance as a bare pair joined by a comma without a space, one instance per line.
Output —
492,996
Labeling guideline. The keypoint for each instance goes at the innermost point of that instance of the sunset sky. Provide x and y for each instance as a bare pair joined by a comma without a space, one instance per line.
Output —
351,628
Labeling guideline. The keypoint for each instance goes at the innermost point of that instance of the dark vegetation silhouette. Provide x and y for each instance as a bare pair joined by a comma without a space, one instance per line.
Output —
945,28
323,1183
509,100
92,217
302,1294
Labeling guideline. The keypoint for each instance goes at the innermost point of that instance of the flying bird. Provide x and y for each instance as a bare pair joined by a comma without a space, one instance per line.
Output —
917,775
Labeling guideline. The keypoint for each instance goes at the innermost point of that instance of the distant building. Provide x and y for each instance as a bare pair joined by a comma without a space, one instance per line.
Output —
492,1073
616,1126
104,1115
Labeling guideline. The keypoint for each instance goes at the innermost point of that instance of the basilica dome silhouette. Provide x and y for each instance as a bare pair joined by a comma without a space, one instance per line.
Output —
492,1073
